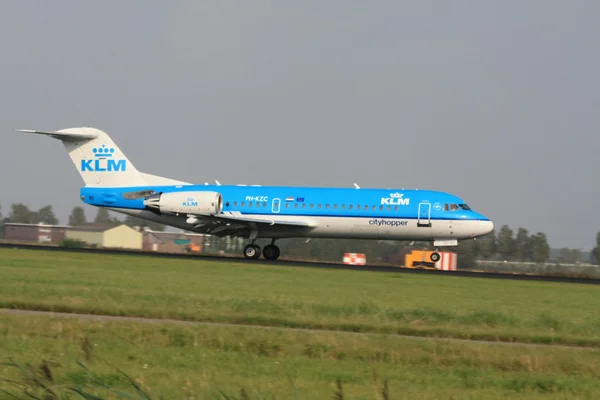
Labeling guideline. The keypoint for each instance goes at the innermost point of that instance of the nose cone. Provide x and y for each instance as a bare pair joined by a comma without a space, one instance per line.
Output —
485,227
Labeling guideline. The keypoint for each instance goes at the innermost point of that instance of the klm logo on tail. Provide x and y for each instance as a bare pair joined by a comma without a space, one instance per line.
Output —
103,161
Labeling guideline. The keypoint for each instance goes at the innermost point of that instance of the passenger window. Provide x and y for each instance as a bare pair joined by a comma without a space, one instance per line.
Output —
235,203
327,206
303,205
312,206
319,206
257,204
343,206
335,206
389,208
380,207
296,205
373,207
396,208
287,205
350,207
264,205
249,204
242,204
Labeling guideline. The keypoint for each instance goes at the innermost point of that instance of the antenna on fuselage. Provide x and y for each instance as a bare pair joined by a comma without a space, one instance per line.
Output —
217,182
356,186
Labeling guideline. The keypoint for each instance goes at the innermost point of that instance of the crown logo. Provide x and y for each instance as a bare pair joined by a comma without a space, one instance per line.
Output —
103,151
396,195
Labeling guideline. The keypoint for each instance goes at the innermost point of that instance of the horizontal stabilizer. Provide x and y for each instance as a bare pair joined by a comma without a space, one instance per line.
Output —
67,136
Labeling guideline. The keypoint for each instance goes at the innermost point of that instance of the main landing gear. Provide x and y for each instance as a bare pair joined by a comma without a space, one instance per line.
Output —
270,251
252,251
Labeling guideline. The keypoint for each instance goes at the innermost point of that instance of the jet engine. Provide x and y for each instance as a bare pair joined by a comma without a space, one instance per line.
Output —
185,203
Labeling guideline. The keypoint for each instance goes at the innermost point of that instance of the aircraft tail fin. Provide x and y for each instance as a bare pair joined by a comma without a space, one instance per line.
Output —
99,160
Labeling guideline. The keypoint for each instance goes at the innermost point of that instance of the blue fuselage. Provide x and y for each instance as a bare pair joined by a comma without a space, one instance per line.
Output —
307,201
332,212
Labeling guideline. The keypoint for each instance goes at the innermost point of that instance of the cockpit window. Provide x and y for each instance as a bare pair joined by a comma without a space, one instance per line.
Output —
455,207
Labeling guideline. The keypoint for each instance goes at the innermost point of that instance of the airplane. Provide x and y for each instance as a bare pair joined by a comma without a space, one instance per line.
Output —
272,212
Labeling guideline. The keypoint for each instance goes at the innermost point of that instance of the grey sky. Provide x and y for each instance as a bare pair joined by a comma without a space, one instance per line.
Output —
494,101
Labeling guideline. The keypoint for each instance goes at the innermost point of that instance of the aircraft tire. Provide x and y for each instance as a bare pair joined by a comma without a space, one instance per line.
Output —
435,257
271,252
252,251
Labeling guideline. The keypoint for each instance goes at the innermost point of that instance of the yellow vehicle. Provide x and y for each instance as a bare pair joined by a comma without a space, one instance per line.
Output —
189,246
194,248
419,259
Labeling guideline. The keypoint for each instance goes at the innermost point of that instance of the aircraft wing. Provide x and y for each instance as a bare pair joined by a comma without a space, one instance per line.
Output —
239,217
228,223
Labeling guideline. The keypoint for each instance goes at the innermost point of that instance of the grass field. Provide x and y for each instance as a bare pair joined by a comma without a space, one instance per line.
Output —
301,297
179,362
172,361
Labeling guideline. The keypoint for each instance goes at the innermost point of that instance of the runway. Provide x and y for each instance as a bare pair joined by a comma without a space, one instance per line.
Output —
308,264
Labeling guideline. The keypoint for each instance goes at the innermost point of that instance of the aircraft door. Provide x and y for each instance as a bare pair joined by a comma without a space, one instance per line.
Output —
424,215
275,205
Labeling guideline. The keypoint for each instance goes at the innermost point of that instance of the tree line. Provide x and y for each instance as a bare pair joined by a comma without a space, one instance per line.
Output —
20,213
505,245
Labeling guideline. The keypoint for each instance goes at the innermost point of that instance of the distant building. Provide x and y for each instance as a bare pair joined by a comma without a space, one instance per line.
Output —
38,233
108,236
122,236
